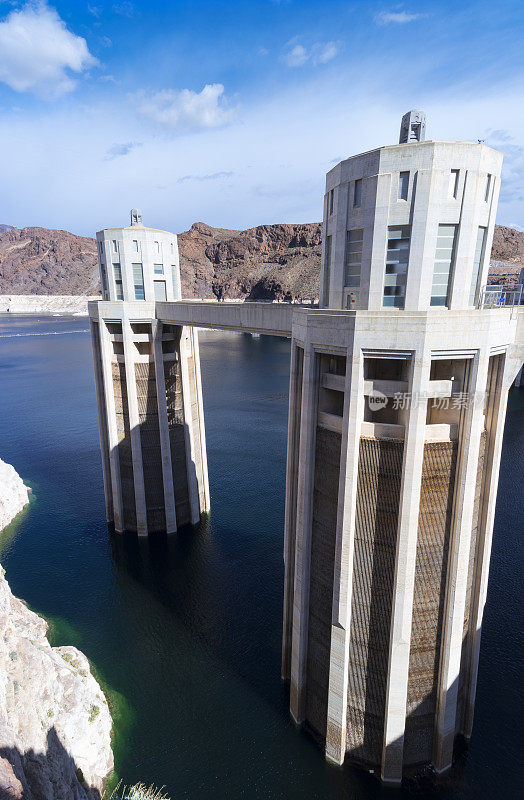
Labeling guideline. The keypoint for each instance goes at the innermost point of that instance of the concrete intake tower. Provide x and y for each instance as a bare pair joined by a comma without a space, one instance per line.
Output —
397,401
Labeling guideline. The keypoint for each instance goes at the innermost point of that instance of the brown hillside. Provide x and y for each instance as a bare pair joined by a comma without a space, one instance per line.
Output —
267,262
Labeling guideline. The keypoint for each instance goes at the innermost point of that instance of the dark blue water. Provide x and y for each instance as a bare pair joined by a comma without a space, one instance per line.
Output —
187,631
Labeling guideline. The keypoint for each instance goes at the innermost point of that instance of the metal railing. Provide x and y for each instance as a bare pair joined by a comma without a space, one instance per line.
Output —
500,297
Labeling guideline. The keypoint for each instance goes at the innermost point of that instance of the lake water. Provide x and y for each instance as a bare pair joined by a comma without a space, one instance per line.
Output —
185,631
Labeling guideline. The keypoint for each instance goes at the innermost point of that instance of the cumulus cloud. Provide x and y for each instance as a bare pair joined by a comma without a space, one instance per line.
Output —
125,9
213,176
38,52
185,110
397,17
319,53
116,150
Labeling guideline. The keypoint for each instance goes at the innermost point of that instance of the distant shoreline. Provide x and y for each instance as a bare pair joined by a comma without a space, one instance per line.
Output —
60,304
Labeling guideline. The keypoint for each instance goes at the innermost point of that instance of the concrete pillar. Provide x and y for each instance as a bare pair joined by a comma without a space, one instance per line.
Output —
192,482
495,427
102,418
165,448
293,443
134,428
306,470
106,355
205,500
344,548
402,605
470,430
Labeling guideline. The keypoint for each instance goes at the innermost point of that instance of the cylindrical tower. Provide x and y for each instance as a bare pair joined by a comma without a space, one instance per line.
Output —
397,402
149,394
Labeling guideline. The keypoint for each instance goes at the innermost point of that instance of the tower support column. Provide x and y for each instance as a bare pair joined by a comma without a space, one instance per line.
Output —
344,549
167,470
470,430
406,551
134,428
495,416
112,433
303,534
293,440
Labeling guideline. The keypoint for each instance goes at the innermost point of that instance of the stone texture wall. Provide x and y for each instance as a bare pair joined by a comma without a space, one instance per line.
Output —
150,445
436,506
124,445
465,665
378,491
175,421
323,534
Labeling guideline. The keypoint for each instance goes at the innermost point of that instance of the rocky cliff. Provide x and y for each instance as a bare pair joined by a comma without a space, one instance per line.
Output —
276,262
13,494
55,726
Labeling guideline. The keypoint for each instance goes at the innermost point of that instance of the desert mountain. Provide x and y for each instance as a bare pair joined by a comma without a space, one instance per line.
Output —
267,262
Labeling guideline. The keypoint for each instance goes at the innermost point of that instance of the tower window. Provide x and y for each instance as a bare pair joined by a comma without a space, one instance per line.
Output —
331,201
403,185
115,246
135,245
357,193
397,258
138,281
118,282
353,261
488,187
157,247
453,183
159,269
444,263
477,265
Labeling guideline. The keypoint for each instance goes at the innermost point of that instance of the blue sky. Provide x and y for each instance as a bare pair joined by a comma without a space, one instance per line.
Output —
232,113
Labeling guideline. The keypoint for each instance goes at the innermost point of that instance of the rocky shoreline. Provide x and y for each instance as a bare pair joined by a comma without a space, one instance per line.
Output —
55,725
62,304
14,495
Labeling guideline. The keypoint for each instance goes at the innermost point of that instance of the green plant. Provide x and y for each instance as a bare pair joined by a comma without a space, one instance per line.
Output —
138,792
94,712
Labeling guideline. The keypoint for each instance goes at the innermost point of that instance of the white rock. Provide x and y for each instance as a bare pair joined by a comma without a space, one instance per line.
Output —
54,304
55,726
13,494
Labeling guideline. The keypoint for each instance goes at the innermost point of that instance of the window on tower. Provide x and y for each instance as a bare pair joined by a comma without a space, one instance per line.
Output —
443,265
488,187
353,261
453,183
138,281
403,185
357,193
397,258
118,282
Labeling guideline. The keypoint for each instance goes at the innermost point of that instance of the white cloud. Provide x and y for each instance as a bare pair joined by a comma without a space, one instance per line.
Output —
322,53
123,149
297,56
37,51
214,176
397,17
125,9
319,53
186,110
